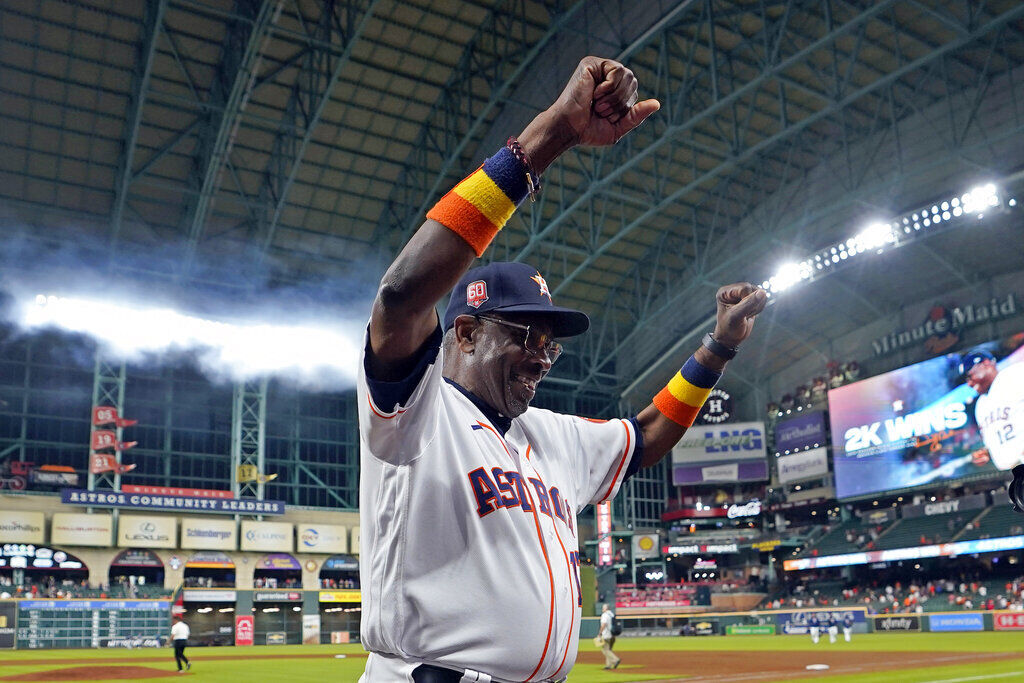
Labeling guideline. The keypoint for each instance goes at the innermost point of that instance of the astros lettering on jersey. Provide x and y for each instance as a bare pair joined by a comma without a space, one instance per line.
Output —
1000,416
466,520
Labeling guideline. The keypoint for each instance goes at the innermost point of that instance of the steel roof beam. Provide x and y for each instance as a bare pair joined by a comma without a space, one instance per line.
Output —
768,142
340,23
145,52
454,121
232,86
773,67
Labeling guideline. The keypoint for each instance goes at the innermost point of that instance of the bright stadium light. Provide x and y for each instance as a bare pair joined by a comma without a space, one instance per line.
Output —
879,235
237,350
980,198
875,236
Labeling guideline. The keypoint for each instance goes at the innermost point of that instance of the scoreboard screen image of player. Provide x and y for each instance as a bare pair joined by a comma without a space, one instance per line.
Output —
923,423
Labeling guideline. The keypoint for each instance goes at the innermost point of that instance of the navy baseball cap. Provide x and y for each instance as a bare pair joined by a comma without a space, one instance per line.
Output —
972,358
504,287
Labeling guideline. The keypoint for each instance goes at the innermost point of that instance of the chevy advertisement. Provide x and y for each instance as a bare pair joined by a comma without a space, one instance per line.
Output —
924,423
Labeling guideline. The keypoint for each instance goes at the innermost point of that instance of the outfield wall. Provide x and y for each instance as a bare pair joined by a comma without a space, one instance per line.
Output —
793,622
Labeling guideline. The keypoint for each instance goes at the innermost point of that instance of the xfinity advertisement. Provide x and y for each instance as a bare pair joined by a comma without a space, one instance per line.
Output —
948,417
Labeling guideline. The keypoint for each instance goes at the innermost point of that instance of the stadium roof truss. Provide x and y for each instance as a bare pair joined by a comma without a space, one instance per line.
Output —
309,137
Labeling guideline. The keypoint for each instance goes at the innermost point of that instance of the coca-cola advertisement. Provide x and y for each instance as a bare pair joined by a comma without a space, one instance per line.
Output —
244,629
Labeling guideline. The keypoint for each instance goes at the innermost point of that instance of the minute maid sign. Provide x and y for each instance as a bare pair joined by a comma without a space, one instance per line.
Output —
940,330
322,538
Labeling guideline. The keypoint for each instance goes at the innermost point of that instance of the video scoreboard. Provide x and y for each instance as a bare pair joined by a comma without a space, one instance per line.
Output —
43,624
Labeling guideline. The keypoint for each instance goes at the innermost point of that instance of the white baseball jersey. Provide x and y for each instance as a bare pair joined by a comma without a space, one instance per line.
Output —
469,556
1000,417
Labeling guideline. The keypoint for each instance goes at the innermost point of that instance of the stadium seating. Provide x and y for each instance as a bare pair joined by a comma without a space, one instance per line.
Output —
995,522
906,533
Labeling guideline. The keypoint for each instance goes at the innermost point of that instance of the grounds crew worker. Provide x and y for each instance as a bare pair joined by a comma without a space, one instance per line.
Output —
468,497
179,638
611,660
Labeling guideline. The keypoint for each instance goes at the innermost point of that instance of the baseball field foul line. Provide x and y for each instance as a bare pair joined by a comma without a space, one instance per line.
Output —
976,678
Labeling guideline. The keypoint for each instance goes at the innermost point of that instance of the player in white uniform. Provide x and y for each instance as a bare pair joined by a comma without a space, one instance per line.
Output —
469,549
999,410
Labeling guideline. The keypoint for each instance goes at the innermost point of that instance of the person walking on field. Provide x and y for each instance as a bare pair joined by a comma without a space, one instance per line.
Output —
611,660
847,626
833,628
179,638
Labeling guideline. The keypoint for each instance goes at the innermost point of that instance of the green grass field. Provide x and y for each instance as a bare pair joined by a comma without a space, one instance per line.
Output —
269,664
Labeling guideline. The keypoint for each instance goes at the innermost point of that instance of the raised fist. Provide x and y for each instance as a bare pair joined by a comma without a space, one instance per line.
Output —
599,103
738,306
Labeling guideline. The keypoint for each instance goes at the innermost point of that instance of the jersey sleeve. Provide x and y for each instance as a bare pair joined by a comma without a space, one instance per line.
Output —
398,419
604,453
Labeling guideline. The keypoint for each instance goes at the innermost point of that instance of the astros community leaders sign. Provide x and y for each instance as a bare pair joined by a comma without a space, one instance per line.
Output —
119,499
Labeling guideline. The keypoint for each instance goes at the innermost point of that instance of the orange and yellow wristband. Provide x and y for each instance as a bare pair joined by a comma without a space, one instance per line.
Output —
682,398
479,206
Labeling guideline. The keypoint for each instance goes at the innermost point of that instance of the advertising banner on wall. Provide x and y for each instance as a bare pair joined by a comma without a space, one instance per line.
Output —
205,533
310,629
792,623
898,622
942,507
729,442
207,595
279,561
136,558
956,622
275,536
723,453
22,527
1008,621
142,501
800,466
723,473
803,430
646,546
917,552
277,596
210,559
322,538
916,426
245,628
8,624
147,532
341,596
68,528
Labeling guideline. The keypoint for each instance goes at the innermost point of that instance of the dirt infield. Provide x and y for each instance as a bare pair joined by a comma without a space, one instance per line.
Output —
749,667
94,673
50,661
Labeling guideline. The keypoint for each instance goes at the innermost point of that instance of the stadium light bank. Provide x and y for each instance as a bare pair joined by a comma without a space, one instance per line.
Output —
879,236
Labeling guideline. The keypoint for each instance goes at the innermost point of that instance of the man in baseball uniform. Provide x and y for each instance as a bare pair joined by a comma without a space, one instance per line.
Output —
814,627
469,560
833,627
847,626
999,410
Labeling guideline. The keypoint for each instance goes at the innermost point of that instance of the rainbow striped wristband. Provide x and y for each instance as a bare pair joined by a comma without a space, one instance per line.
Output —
478,207
683,396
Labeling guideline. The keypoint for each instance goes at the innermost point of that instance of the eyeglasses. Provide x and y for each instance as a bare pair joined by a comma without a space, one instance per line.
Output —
533,341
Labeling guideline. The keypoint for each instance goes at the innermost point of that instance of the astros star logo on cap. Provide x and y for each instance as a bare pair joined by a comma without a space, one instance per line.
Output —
539,279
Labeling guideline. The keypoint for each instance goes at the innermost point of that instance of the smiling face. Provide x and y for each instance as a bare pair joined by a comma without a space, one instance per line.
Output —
981,376
489,359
